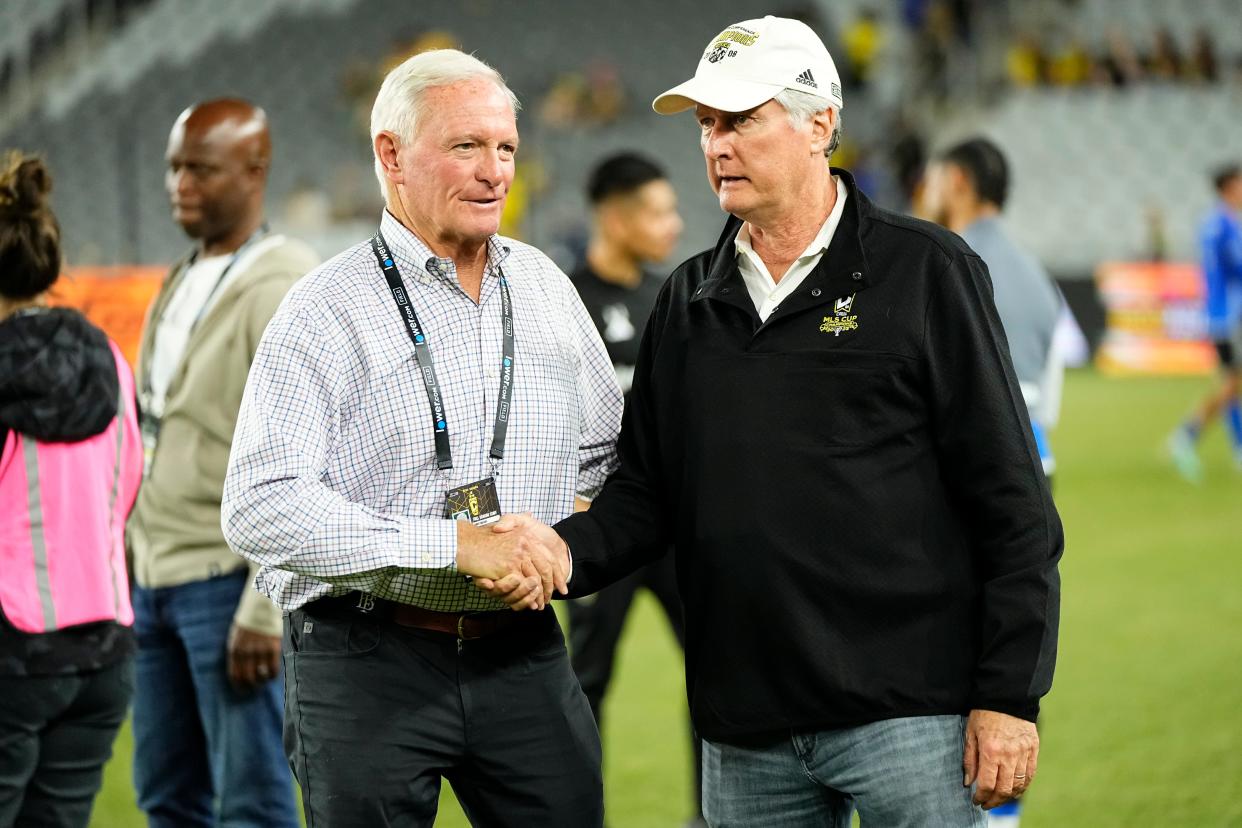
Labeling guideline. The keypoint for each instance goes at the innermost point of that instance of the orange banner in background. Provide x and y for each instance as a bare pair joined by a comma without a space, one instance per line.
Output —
1154,321
114,298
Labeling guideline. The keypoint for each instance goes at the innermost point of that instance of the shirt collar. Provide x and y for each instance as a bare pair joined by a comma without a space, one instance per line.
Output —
850,270
818,244
412,251
980,228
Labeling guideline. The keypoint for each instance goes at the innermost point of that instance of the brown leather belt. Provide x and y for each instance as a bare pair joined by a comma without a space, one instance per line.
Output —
463,625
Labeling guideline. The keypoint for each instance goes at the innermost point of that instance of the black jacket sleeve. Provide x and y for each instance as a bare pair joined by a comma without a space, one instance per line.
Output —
627,525
996,484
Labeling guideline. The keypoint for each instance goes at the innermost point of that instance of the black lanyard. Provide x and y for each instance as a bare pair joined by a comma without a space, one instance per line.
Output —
422,353
202,311
254,237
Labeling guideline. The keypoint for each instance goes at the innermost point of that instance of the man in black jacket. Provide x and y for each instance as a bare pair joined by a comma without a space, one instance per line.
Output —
825,423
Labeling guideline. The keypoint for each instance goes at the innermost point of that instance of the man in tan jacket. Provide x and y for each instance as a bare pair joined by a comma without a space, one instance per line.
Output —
209,695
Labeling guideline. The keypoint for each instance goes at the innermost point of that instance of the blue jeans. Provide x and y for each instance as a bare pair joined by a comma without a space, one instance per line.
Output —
898,773
205,754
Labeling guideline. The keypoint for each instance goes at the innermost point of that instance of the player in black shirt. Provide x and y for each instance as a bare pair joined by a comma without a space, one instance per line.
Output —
636,225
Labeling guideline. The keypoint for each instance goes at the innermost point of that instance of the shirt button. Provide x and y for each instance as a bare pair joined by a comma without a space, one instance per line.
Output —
816,292
856,276
724,290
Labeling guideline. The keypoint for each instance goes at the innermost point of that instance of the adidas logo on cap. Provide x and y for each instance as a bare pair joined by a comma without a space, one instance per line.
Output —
807,79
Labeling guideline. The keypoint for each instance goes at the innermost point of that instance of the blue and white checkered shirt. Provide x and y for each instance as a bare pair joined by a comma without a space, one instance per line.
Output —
332,483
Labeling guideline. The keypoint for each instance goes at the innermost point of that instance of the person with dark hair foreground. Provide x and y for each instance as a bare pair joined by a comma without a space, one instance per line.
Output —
70,465
965,190
635,224
1220,246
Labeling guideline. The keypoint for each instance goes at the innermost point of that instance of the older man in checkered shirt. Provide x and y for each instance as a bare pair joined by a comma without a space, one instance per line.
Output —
435,373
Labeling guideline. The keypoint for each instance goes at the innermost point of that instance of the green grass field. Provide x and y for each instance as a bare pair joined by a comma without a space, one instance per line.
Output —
1145,718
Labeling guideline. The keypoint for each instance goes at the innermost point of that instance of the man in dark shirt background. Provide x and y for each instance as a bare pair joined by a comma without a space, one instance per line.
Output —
635,225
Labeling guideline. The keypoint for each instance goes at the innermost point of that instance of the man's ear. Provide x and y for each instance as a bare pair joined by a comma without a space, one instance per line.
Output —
822,126
386,150
610,219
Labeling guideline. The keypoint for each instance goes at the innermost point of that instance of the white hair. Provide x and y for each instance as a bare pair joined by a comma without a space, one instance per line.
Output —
399,104
803,106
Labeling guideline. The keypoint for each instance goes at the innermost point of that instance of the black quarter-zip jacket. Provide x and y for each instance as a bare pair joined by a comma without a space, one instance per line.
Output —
861,523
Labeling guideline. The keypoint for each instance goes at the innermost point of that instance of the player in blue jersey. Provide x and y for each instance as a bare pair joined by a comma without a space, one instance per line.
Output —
1220,243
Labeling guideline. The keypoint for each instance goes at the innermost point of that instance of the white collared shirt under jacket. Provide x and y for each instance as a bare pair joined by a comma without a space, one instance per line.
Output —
768,294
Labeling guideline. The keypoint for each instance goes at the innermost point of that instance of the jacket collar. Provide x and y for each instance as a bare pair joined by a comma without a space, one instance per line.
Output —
842,270
237,284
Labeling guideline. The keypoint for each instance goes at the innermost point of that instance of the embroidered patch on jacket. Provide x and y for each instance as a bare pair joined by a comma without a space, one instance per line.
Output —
842,319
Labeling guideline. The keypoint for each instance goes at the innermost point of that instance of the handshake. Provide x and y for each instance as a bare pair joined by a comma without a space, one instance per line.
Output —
517,560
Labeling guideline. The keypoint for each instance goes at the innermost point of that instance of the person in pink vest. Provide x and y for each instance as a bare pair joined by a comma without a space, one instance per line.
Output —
70,465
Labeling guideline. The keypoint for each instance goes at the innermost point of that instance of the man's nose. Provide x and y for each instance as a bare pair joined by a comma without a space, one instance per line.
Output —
179,181
717,144
491,169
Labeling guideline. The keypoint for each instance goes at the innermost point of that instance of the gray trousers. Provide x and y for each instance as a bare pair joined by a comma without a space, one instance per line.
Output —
376,714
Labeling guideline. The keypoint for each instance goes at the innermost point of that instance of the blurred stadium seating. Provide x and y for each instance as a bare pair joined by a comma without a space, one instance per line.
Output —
1100,172
104,124
1091,165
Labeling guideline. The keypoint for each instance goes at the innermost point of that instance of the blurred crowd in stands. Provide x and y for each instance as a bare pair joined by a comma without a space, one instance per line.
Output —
908,67
1042,47
1065,59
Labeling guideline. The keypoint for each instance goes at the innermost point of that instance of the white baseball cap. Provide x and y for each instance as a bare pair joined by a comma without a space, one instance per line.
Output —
749,63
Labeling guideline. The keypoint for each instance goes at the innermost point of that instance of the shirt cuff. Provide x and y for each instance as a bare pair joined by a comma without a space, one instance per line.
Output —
256,613
591,480
428,544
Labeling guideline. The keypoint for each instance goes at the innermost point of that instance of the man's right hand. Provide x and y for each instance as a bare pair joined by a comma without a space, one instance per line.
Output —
515,556
253,657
